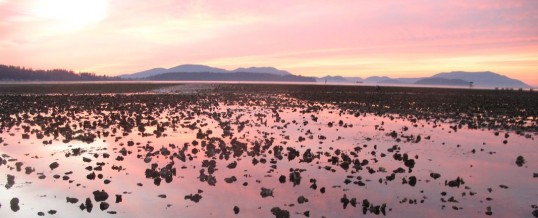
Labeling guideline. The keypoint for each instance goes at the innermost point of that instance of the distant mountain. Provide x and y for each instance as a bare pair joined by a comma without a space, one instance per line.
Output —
185,68
457,78
442,81
333,79
339,79
488,79
143,74
354,79
195,68
269,70
376,79
14,73
410,80
392,81
234,76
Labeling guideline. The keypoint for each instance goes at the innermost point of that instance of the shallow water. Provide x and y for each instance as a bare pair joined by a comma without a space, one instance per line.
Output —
441,149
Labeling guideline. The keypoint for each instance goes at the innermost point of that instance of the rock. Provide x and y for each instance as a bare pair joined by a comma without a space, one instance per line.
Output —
412,181
295,178
40,214
455,183
10,181
353,202
520,161
232,165
29,170
118,199
236,209
91,176
279,213
54,165
435,175
302,200
100,195
488,211
265,192
71,200
282,179
195,198
410,163
535,213
14,203
104,206
52,212
89,205
162,196
230,179
345,201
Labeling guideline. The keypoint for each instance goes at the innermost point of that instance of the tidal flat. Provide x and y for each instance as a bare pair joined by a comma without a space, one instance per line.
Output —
266,150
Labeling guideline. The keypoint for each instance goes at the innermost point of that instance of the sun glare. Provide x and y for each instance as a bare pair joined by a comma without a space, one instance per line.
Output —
71,14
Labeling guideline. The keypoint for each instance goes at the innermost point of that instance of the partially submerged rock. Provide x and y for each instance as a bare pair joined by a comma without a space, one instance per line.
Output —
302,200
54,165
71,200
236,210
100,195
265,192
520,161
10,181
193,197
14,204
279,213
104,206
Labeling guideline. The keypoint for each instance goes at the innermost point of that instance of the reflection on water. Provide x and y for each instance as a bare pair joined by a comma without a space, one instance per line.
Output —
215,160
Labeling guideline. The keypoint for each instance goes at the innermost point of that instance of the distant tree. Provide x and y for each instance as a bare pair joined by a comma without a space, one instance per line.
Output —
16,73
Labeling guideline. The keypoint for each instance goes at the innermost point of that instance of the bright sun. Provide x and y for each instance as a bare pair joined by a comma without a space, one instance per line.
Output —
71,14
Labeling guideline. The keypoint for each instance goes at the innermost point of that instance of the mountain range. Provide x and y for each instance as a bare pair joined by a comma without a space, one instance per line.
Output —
459,78
195,68
191,72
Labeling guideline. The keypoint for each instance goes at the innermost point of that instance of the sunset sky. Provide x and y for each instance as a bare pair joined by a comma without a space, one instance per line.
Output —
307,37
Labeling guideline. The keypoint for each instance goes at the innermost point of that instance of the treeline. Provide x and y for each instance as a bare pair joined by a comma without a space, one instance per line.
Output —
15,73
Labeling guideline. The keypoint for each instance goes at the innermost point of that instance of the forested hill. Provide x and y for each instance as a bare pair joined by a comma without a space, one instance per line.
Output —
14,73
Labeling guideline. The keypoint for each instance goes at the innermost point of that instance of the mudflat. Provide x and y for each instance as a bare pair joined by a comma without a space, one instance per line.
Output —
269,150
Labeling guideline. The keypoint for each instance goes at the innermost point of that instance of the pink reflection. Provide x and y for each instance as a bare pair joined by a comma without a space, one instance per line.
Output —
437,152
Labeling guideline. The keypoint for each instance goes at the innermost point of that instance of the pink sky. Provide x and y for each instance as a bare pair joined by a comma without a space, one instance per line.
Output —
306,37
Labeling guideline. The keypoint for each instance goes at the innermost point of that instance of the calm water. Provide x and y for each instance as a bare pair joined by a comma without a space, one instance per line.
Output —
480,158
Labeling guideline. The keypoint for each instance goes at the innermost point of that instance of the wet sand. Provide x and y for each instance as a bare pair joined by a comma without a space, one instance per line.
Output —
240,150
